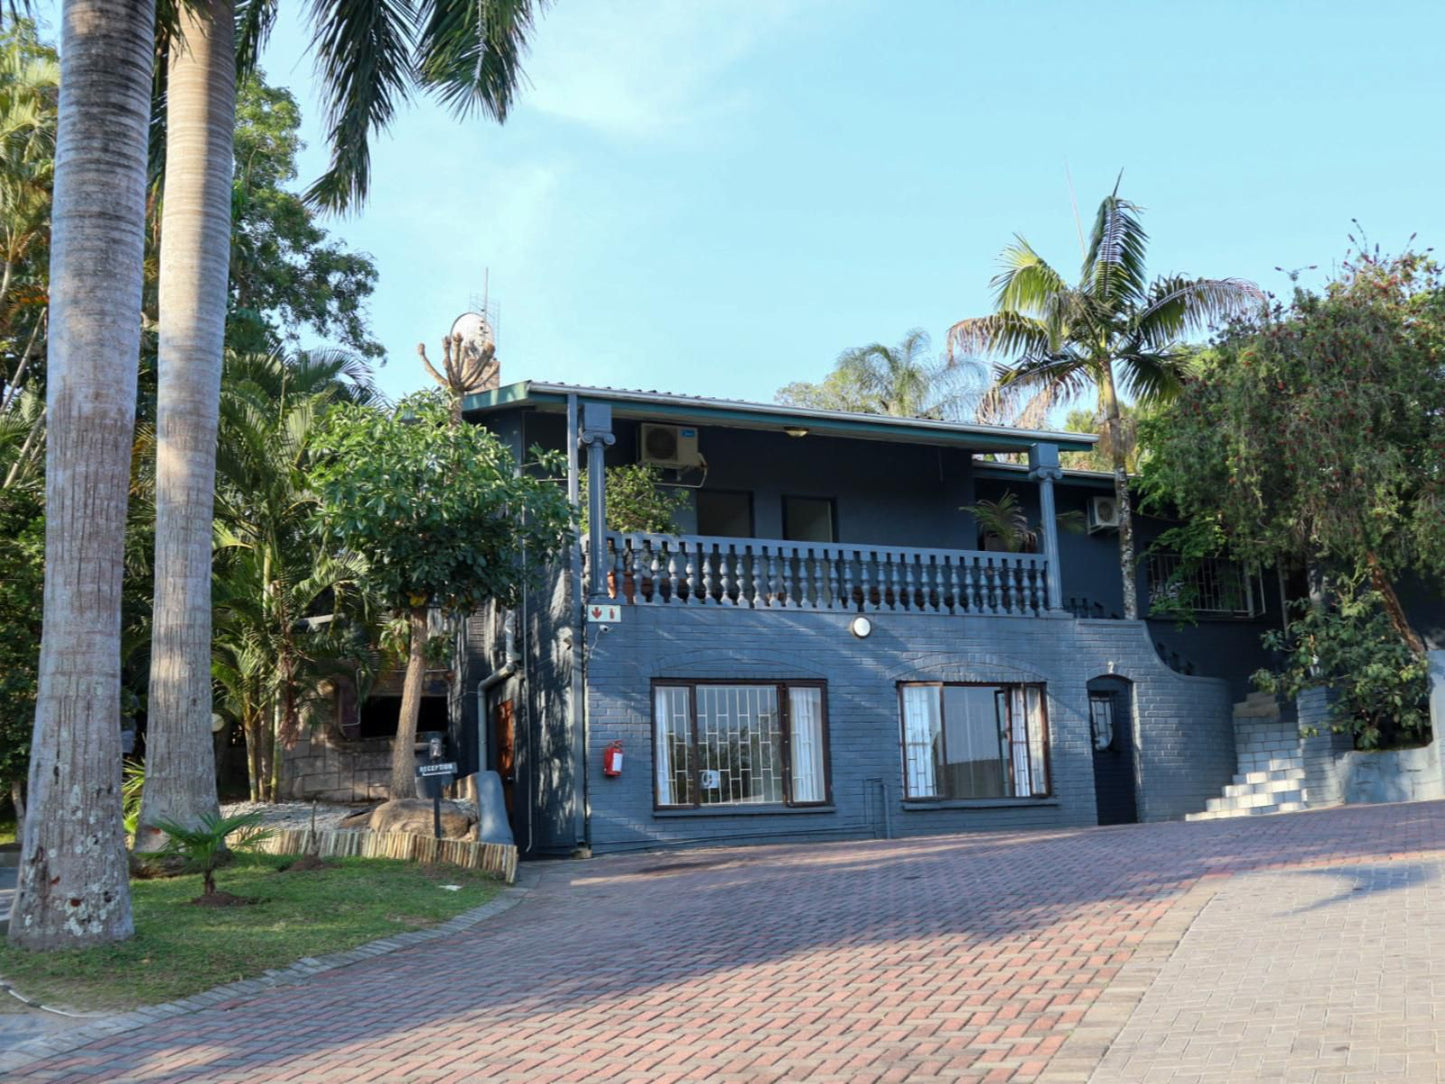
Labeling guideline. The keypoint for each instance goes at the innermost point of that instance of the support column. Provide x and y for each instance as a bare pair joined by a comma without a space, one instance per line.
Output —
1044,469
596,436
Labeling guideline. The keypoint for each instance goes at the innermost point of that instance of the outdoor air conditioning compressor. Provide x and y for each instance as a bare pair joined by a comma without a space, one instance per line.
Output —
672,446
1103,514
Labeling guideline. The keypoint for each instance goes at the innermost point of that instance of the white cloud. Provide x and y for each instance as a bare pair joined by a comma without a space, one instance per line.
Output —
639,70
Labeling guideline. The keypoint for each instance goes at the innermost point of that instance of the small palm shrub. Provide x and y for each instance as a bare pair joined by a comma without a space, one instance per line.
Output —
204,844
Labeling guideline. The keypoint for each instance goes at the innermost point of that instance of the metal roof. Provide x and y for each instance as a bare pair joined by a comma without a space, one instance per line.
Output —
701,410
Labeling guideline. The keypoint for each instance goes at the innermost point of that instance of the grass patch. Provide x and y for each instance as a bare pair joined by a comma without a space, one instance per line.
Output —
7,828
180,949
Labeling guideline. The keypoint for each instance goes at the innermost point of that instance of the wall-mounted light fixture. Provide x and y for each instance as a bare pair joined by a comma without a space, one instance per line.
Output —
795,431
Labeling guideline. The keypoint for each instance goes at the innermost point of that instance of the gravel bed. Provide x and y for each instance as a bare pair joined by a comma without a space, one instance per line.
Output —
297,814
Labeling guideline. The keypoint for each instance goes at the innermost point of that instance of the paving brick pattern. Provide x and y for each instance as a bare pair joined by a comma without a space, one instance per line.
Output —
1319,976
966,957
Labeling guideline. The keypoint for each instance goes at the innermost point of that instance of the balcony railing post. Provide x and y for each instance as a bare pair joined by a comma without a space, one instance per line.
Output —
1044,469
596,436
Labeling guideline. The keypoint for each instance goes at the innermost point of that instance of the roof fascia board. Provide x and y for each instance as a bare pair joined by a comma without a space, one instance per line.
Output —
980,438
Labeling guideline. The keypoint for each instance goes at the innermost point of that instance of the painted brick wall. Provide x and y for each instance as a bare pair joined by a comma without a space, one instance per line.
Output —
1185,734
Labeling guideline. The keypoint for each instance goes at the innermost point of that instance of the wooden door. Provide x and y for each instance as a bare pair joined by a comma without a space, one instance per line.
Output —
504,749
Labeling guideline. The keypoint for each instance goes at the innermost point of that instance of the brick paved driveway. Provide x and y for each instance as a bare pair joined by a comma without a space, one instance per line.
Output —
964,957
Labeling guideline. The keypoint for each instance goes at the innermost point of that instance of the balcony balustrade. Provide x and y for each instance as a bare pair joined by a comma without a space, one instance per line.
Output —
765,574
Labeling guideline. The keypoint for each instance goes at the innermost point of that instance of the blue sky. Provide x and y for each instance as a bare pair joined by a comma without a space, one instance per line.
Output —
718,197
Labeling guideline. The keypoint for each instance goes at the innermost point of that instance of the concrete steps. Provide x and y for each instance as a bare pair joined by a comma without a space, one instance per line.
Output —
1271,768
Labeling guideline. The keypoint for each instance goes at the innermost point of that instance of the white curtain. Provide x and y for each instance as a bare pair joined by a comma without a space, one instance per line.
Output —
672,720
921,724
1037,723
806,709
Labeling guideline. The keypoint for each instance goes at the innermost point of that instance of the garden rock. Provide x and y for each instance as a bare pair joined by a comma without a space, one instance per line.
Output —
414,815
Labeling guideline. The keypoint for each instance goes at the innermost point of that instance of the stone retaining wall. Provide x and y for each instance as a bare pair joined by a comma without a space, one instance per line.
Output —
321,766
1336,773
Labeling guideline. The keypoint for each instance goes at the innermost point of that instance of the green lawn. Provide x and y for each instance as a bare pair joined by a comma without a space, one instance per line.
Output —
180,949
7,828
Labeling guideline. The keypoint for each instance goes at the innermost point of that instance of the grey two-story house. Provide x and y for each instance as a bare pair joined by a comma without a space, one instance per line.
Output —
826,647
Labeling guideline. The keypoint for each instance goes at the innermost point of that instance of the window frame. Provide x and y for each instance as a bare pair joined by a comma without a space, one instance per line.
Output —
785,743
831,502
1047,793
715,492
1166,578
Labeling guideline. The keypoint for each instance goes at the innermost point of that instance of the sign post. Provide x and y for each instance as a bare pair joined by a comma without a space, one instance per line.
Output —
438,774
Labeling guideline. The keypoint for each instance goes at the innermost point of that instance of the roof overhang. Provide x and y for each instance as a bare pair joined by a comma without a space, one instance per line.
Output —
692,410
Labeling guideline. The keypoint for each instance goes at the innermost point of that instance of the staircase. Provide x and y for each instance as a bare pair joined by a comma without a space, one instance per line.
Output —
1271,776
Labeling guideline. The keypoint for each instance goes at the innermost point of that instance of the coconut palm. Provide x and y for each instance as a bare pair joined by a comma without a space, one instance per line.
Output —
370,56
73,886
905,381
1114,332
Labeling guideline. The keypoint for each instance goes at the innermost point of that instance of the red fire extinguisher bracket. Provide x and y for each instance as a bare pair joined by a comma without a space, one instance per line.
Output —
612,760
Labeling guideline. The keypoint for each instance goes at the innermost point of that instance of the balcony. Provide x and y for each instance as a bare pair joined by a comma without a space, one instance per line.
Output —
768,574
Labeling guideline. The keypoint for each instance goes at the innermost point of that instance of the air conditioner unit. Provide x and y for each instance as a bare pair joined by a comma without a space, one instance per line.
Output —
1103,514
672,446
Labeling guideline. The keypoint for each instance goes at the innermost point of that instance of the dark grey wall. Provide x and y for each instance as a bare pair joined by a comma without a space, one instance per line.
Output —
1222,647
892,494
1185,738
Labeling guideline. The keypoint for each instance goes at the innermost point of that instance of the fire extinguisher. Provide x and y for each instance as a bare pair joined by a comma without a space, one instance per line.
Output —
612,760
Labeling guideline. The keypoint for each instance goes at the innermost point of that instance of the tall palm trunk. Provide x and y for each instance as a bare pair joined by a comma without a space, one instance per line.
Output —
73,888
1109,407
403,759
195,257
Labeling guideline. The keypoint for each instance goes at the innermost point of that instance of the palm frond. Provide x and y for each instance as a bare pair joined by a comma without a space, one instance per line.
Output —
364,53
254,20
1114,265
1003,334
1152,376
1027,284
469,53
1178,306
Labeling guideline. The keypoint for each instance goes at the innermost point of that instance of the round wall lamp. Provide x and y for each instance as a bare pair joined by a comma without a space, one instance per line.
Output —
860,627
795,431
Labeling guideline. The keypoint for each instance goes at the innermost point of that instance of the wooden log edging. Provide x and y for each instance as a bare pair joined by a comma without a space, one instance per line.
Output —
499,859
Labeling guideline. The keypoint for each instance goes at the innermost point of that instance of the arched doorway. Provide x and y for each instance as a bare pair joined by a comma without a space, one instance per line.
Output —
1111,728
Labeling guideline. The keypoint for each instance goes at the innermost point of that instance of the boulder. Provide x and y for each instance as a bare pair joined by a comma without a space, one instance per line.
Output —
414,815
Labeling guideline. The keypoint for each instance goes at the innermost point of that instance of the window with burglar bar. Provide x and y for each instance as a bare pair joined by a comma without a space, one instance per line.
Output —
739,743
974,741
1206,585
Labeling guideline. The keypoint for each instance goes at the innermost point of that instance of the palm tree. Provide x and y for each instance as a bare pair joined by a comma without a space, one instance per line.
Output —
1114,332
466,52
905,381
73,885
195,259
273,572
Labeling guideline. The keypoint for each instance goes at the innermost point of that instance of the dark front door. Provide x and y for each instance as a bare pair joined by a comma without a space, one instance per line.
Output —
1112,730
504,750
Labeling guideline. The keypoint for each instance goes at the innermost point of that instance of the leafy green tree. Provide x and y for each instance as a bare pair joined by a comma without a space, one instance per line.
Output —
22,575
1381,687
1115,332
637,501
444,518
905,381
1313,434
287,272
29,91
